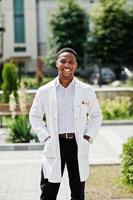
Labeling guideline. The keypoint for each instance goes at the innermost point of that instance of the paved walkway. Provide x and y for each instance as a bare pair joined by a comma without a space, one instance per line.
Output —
20,170
20,176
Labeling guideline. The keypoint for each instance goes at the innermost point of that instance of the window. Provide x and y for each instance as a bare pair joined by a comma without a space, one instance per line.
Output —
20,49
19,26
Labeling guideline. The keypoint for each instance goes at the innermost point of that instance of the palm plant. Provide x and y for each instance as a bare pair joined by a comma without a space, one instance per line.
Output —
20,130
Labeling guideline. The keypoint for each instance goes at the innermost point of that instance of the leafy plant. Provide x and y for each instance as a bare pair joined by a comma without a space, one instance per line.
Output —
32,83
127,164
129,82
20,130
117,108
9,85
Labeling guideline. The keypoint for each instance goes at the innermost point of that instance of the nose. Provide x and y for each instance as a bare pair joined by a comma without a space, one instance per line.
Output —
67,65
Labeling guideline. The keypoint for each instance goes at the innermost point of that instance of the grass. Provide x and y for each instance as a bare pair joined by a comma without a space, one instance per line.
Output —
104,184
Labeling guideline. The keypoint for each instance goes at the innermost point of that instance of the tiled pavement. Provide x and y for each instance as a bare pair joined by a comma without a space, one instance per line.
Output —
20,176
20,170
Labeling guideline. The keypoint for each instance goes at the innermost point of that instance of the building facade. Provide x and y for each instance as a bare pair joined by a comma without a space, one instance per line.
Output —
27,31
20,37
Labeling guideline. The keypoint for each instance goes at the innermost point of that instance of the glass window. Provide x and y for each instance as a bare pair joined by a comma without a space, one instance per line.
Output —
19,27
20,49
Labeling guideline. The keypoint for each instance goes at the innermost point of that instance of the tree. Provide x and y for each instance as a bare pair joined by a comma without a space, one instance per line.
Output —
9,76
111,38
69,28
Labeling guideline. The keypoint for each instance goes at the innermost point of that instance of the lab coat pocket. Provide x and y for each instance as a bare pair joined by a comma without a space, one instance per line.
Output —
48,148
84,147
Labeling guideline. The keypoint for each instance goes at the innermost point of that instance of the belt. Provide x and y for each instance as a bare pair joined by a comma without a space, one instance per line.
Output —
67,135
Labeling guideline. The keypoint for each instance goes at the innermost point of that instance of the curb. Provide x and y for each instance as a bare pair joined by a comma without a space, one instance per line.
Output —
21,147
116,122
108,123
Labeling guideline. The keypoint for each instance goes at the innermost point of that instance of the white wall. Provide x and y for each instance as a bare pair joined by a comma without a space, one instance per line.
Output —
8,34
31,27
44,9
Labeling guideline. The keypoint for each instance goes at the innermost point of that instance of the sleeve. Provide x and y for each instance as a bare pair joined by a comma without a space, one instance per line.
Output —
94,118
36,116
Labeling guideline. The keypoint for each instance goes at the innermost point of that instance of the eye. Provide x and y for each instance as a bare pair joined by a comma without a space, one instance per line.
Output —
62,61
71,62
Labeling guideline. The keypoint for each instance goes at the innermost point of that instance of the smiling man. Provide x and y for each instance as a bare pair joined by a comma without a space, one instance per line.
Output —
66,64
73,118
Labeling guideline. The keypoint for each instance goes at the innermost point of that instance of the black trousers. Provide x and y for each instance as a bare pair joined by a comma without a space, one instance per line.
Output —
68,151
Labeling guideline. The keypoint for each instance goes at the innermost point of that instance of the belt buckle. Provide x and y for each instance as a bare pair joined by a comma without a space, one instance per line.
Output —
67,137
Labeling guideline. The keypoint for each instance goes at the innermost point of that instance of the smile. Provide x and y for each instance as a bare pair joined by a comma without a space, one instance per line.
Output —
67,70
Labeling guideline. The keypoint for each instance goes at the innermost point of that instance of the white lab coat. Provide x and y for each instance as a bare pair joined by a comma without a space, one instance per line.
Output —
87,117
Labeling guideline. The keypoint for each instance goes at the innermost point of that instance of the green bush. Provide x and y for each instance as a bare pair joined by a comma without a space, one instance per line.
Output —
32,82
129,82
1,68
20,130
117,108
9,85
127,164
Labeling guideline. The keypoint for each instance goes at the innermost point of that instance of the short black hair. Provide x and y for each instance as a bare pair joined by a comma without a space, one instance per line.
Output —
67,49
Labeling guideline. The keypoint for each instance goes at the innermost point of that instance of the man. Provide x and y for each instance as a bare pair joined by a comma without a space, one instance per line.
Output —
72,119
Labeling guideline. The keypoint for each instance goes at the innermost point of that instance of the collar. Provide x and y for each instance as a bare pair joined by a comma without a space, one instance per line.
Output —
58,84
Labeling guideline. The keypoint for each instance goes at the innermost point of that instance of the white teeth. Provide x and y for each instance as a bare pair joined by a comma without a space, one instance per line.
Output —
66,70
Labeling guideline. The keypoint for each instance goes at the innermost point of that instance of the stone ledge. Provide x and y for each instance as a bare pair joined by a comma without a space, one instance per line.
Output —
116,122
21,147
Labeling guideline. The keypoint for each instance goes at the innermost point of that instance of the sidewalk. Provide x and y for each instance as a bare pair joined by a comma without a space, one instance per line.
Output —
20,176
20,170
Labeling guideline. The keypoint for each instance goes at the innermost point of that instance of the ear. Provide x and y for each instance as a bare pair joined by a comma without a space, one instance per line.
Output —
76,65
57,63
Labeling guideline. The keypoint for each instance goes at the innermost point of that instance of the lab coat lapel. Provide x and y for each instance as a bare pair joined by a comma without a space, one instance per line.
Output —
53,104
77,101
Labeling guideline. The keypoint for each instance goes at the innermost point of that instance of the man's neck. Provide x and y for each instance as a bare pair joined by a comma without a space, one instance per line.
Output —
64,82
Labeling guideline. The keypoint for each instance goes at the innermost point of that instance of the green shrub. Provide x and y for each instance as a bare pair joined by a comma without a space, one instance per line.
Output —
1,68
117,108
9,85
32,82
127,164
129,82
20,130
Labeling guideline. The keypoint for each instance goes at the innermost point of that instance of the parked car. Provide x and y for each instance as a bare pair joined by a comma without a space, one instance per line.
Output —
105,76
